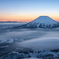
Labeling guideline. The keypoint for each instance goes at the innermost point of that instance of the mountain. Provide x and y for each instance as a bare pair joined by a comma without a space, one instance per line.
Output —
43,22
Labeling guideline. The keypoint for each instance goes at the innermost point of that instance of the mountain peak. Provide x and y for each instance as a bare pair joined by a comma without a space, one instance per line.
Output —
43,21
43,16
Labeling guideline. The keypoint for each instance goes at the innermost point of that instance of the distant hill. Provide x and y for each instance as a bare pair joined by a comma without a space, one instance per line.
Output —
10,22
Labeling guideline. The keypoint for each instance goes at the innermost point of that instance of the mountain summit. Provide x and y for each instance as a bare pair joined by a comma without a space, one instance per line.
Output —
43,22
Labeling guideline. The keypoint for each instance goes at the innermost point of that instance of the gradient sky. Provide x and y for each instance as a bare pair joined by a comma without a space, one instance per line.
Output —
28,10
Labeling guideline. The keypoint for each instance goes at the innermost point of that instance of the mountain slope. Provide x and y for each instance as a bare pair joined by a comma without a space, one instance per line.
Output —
43,22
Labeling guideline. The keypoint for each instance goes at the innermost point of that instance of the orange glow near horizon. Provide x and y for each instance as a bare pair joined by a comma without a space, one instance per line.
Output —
23,18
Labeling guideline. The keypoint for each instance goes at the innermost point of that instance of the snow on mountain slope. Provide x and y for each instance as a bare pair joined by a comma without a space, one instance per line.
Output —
43,22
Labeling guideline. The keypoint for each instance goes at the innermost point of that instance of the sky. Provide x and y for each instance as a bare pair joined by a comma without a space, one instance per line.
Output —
28,10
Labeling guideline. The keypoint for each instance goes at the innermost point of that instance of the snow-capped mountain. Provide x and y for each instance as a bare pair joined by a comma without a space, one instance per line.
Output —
43,22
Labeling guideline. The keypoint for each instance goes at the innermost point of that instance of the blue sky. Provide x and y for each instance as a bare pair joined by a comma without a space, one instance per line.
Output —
28,9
